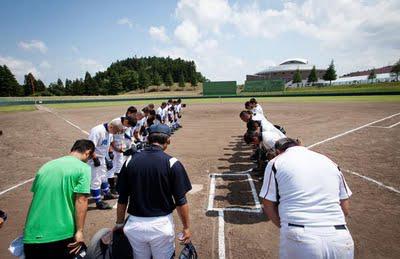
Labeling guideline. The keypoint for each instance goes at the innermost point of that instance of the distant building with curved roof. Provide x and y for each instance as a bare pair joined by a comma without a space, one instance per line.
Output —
286,70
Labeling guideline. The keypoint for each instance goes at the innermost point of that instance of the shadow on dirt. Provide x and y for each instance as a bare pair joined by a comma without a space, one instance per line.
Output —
236,191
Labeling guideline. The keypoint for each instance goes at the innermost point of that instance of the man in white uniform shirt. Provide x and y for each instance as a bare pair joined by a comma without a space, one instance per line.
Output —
161,111
101,135
256,108
119,144
305,194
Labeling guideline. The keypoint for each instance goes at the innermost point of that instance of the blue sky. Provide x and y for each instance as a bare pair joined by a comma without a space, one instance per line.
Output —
226,39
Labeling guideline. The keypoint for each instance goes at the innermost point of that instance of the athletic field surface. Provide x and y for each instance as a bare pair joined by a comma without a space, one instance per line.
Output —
360,134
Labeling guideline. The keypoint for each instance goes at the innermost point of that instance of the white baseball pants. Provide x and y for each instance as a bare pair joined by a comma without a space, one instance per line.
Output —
99,174
118,161
151,236
315,242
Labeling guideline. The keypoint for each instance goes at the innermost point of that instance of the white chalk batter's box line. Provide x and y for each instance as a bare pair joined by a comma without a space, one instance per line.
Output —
211,197
386,127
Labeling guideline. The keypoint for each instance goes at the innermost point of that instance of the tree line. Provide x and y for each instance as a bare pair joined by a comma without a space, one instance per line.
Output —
330,74
121,76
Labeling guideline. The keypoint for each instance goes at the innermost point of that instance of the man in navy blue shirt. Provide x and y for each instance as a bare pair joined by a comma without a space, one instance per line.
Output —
154,184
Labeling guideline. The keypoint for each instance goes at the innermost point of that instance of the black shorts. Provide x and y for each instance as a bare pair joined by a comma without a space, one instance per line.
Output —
58,249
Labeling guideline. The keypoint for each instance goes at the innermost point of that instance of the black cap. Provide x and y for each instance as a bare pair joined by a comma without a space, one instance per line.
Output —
160,128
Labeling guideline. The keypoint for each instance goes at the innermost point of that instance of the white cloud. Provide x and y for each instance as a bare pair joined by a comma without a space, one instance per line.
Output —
187,33
210,14
125,21
19,67
75,49
90,65
158,33
357,34
33,45
45,65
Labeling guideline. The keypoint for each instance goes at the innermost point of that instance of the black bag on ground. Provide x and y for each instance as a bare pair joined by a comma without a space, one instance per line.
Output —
106,244
188,252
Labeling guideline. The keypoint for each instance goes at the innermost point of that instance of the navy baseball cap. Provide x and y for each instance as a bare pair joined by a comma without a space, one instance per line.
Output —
160,128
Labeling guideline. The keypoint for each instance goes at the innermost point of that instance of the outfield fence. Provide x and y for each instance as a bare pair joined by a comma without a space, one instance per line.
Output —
264,86
219,88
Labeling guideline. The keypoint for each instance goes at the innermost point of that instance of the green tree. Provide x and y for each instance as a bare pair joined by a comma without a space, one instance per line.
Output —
57,88
144,80
396,70
130,80
193,80
156,78
312,77
115,86
169,81
181,80
68,87
297,77
330,73
90,85
40,86
9,86
29,84
372,75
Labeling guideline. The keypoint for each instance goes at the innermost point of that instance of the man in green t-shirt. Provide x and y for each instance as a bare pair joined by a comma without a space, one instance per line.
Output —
54,225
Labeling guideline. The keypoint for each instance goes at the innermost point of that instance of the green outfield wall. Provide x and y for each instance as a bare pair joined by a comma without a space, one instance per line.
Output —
219,88
264,86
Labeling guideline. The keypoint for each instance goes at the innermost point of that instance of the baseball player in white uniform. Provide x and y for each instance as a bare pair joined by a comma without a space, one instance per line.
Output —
119,143
161,112
178,112
256,108
305,194
101,135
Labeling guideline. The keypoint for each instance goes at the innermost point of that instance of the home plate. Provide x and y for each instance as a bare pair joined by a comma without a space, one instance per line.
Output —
196,188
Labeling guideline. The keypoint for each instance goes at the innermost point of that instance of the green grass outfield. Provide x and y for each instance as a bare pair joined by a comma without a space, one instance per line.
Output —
358,88
371,98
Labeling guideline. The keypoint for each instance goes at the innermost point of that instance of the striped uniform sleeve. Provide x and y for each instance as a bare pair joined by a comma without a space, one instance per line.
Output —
344,190
268,190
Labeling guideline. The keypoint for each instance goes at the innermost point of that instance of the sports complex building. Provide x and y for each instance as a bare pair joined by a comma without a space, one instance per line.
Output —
286,70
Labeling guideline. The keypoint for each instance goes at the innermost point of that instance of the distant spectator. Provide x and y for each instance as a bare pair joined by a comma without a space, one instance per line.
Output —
56,218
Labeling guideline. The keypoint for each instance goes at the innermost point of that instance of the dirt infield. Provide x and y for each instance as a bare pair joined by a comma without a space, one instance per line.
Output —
210,142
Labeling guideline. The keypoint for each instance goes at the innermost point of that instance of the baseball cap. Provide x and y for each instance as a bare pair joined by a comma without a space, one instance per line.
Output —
160,128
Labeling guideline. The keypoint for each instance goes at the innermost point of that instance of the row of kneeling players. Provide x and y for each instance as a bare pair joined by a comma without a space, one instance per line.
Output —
151,185
304,193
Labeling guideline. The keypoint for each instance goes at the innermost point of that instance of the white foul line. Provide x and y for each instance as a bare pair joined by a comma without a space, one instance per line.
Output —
50,111
374,181
16,186
212,193
64,119
350,131
221,222
387,127
221,235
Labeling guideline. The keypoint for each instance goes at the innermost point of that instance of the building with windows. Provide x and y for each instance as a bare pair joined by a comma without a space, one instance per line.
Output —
286,70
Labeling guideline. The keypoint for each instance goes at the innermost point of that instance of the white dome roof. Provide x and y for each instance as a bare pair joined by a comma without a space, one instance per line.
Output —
291,64
294,61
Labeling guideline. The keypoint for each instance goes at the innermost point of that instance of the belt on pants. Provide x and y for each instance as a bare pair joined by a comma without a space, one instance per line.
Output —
337,227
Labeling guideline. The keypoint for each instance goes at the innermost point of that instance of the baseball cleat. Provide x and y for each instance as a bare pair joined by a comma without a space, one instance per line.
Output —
101,205
110,196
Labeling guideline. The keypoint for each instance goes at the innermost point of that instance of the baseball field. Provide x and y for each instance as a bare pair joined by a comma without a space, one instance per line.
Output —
361,134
